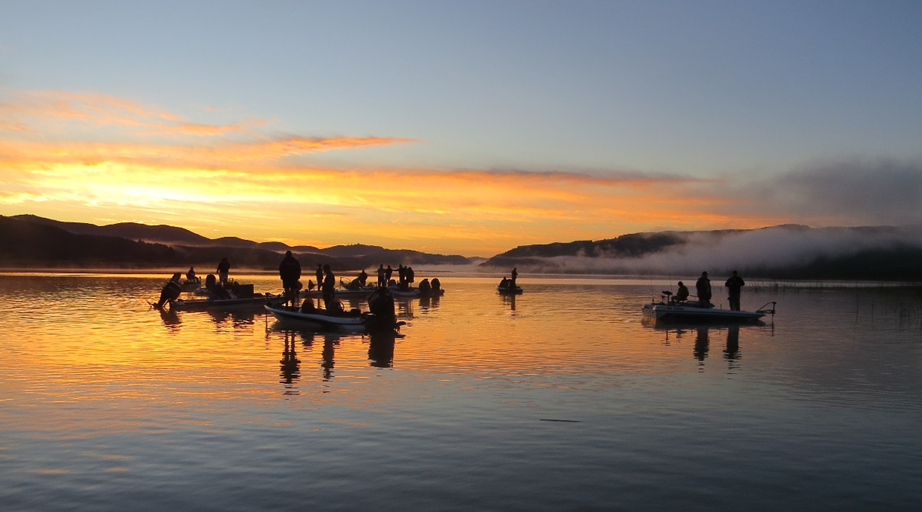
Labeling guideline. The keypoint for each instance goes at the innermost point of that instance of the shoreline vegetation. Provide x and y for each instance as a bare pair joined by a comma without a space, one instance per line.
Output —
869,255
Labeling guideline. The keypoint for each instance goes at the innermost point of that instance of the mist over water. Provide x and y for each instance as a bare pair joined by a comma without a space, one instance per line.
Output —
722,252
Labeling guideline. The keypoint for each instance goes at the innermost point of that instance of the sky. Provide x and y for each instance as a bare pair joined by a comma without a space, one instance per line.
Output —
461,127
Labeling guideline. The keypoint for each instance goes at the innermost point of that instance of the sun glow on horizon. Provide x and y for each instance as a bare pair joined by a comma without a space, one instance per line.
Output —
60,160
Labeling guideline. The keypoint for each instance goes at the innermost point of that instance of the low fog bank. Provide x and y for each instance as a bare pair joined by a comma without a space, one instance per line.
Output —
763,252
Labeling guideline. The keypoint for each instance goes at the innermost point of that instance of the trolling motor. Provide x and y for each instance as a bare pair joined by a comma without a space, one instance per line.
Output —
768,311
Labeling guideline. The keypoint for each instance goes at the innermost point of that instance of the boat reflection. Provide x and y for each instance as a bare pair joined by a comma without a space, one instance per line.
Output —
327,354
702,338
238,319
381,348
428,303
308,334
508,298
702,343
290,369
170,319
404,307
733,343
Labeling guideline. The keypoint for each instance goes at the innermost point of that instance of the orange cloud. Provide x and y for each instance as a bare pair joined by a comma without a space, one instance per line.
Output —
208,130
45,111
274,149
100,108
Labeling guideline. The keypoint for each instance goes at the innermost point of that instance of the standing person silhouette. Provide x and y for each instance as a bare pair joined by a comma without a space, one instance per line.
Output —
319,275
290,273
381,281
223,271
515,274
703,287
733,287
329,284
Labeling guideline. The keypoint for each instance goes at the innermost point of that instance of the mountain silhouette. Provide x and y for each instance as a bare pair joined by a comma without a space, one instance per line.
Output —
890,253
782,252
28,241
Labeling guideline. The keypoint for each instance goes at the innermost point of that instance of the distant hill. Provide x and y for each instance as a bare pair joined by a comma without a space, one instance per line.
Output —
783,252
36,244
130,230
28,241
625,246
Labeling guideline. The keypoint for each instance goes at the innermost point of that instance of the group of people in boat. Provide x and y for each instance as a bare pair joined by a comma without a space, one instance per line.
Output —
704,294
405,276
217,287
290,274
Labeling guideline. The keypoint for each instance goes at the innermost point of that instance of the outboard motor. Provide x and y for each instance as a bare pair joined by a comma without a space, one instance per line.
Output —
170,291
381,305
436,285
425,288
215,290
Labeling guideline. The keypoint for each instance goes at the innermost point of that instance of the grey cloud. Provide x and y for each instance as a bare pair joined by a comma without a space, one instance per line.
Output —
847,192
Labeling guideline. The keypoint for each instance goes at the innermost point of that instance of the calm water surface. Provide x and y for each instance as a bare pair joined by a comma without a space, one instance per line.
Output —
559,400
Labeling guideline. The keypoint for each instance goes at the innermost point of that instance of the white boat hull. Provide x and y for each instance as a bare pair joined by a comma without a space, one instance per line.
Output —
207,304
318,317
688,313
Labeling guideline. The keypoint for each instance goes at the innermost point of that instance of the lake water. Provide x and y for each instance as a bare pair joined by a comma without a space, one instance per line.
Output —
562,399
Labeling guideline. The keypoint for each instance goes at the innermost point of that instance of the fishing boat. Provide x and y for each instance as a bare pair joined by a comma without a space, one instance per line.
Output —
318,316
380,318
339,292
412,293
256,301
189,286
359,293
505,287
351,290
683,311
432,292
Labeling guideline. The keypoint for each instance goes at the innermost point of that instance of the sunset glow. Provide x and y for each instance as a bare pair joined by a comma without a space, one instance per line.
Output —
325,172
245,188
